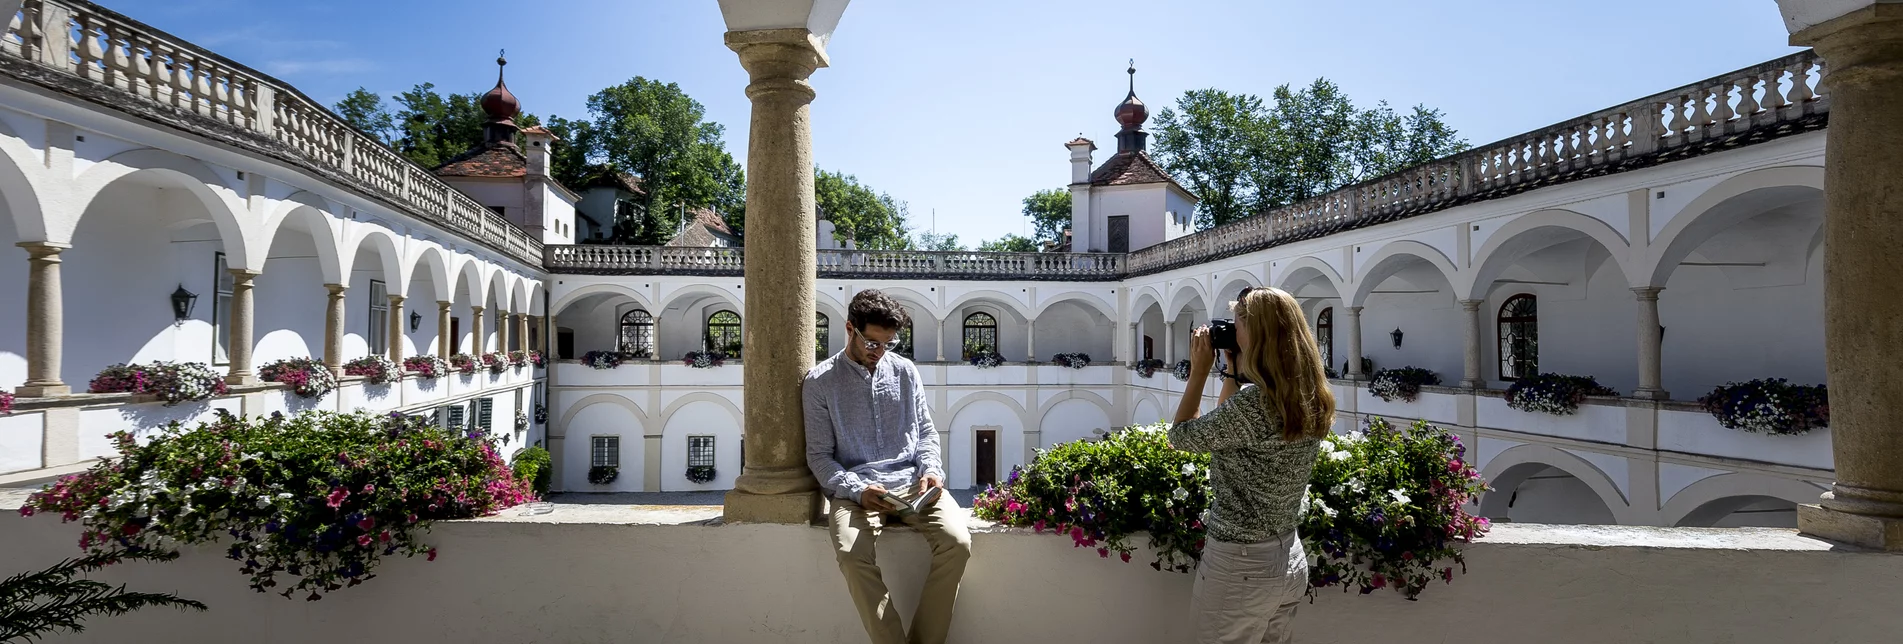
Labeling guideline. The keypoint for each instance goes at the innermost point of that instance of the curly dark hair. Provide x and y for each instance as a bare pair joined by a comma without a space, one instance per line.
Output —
871,306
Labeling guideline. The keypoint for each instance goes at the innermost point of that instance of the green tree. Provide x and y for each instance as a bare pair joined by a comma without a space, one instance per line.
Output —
936,241
1244,156
364,110
872,219
432,128
657,132
1013,243
1049,211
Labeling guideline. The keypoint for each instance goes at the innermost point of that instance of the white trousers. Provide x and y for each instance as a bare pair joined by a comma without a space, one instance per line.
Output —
1247,592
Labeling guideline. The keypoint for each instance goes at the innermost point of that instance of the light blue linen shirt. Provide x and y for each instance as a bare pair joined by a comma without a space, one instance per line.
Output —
868,427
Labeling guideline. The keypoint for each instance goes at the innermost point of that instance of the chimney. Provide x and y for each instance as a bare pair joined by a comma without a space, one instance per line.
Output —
1080,149
541,148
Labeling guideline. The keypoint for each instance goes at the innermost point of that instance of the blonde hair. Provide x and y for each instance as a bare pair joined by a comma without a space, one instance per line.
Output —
1282,359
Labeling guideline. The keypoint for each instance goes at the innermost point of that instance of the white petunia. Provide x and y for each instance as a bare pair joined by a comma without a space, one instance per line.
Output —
1399,496
1180,494
1189,469
1339,455
1323,508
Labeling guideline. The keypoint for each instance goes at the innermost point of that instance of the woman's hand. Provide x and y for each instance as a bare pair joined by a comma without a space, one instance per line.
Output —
1202,354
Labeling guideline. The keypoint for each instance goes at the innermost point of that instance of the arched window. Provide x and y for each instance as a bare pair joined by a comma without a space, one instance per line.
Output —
822,335
1519,337
637,334
723,333
905,340
1325,336
981,334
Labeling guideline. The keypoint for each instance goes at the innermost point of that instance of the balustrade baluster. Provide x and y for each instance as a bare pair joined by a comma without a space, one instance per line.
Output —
1721,111
1747,97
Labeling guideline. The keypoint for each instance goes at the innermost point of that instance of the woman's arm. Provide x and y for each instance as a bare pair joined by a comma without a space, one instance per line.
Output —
1201,356
1233,383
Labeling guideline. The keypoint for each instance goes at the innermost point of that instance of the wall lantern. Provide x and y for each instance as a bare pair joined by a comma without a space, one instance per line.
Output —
182,301
416,320
1397,337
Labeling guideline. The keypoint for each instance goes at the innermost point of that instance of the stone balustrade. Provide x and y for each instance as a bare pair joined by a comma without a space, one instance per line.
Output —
839,263
103,56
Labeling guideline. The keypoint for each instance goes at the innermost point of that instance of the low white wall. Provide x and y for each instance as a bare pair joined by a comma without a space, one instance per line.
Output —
508,579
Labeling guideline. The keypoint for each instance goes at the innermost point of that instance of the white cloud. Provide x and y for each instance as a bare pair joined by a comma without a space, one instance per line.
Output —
318,66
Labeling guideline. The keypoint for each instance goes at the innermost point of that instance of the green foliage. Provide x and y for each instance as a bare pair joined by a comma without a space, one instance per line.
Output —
319,496
657,132
1384,507
364,110
534,465
872,219
36,604
1049,211
1010,244
935,241
433,128
1243,156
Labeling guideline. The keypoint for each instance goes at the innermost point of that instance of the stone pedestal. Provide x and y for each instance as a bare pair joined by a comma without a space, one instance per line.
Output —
776,486
1863,300
44,321
240,349
334,329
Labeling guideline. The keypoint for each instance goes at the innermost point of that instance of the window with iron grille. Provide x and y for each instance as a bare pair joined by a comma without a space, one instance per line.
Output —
822,335
637,334
1519,327
723,333
1325,336
221,337
700,451
981,334
379,319
605,451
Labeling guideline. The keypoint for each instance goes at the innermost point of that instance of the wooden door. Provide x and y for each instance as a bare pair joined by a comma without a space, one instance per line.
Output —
455,335
1119,234
986,465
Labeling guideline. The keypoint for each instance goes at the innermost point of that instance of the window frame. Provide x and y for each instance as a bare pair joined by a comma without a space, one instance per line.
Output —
822,335
988,326
222,288
1325,335
379,318
730,333
1528,334
644,334
701,451
604,450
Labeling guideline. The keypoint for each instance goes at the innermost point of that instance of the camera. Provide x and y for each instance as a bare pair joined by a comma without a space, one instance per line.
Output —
1222,335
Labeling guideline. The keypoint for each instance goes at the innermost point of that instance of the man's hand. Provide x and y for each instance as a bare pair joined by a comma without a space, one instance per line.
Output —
870,499
928,482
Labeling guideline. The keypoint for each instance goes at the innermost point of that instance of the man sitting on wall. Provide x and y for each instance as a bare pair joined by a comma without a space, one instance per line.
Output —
869,438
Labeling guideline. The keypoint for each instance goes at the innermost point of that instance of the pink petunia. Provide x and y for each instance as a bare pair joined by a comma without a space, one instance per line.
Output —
432,554
337,496
1380,581
363,540
1126,557
1103,552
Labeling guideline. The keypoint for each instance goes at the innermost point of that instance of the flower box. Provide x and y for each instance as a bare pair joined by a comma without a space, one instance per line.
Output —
171,382
307,378
374,369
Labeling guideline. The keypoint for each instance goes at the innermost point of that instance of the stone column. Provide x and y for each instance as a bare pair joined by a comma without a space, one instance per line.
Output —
334,329
940,337
476,343
1472,379
502,331
1169,343
1651,378
1030,340
240,351
776,486
395,344
1354,344
445,345
44,321
522,331
1863,299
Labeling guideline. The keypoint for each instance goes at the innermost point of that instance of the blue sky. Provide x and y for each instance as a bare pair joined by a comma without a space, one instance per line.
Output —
963,107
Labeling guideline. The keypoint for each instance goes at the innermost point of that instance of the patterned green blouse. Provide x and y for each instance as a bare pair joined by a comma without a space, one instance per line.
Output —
1257,478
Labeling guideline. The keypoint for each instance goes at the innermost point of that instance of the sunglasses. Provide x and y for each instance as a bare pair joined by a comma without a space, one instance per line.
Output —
872,345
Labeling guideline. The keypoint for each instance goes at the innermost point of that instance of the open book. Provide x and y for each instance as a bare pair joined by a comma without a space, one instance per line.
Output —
917,504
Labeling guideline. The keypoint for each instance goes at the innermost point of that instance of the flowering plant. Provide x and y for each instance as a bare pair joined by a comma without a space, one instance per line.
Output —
1553,393
1181,370
521,421
308,378
1384,506
536,358
1769,406
172,382
318,496
1402,382
704,359
375,369
541,414
701,473
1072,360
495,361
1147,367
601,359
6,403
518,358
463,363
986,359
603,474
429,366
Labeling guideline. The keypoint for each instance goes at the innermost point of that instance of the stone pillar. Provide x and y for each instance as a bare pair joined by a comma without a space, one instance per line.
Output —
522,331
1863,300
45,321
940,337
1354,344
775,485
502,331
334,329
1472,379
240,351
476,343
1651,378
445,345
1169,343
1030,341
395,344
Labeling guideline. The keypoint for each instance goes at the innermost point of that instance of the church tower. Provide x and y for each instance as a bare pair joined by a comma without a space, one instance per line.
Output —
1129,202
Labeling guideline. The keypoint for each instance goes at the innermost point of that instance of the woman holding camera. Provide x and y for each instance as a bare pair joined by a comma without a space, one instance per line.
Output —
1263,438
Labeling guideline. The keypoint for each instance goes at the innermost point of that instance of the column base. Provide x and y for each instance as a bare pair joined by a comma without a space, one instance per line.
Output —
1861,530
1651,394
42,391
242,379
791,507
1473,384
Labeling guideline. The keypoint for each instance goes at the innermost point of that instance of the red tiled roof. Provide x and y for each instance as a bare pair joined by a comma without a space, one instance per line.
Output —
1126,169
1083,141
706,228
486,161
541,130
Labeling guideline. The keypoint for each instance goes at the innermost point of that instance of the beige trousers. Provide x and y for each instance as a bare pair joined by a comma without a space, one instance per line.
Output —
1247,592
855,533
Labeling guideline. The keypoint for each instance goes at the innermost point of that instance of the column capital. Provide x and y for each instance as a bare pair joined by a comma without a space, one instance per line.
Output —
1471,306
42,250
336,290
476,309
1647,292
396,299
792,54
443,305
245,275
1353,310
